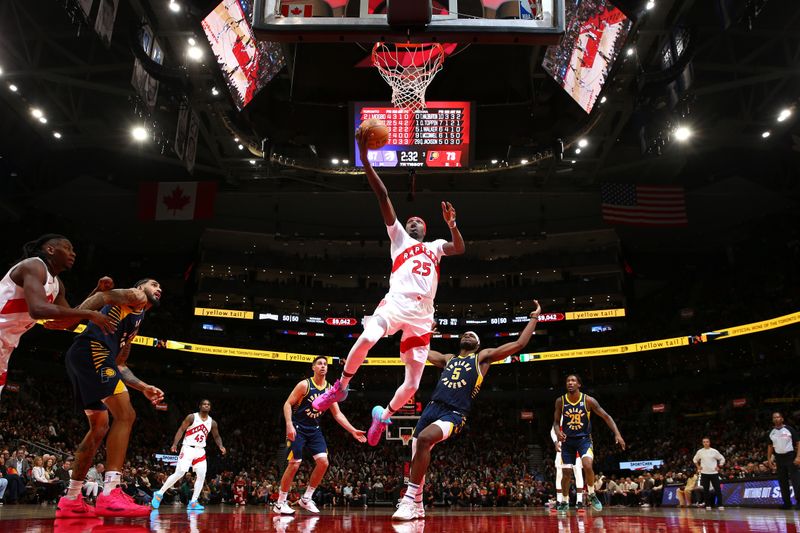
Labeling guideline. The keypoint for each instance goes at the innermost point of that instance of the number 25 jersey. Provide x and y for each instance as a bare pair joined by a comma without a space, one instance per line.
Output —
415,265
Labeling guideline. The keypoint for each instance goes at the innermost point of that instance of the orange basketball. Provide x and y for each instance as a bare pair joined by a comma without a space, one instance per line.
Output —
376,131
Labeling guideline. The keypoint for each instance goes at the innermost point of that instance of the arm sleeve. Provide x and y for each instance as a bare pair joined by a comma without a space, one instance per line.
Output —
396,231
720,458
696,457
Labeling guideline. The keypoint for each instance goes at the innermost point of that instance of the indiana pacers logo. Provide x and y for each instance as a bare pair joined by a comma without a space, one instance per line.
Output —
574,418
459,369
107,373
309,411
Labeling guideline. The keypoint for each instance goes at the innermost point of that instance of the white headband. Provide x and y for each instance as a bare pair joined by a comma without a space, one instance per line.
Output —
476,336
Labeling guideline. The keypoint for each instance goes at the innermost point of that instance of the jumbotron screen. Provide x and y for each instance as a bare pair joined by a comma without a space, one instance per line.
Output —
438,137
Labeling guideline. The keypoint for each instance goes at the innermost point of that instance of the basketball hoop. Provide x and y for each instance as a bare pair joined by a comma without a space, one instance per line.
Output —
406,438
408,68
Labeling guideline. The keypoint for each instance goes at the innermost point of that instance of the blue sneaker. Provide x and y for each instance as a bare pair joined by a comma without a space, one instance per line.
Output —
194,506
377,427
157,497
595,501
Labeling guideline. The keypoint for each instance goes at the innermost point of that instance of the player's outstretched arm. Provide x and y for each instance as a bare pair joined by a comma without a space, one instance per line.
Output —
595,408
31,276
438,358
338,415
181,430
491,355
103,284
296,396
130,297
375,182
557,420
217,438
456,245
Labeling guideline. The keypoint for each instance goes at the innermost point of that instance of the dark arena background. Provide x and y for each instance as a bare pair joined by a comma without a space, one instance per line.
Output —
632,165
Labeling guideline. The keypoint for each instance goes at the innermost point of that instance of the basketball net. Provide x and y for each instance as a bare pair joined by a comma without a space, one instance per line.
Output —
406,438
408,68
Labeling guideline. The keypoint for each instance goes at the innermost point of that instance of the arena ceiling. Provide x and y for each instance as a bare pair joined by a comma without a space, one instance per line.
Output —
729,84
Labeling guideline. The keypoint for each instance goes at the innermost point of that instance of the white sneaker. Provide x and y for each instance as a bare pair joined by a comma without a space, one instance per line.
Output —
308,505
406,510
420,510
708,507
721,508
282,509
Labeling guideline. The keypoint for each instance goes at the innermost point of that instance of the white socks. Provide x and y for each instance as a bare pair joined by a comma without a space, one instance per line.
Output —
309,492
111,482
74,489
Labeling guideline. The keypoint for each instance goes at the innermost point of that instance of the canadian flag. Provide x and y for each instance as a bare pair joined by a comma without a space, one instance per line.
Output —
297,10
177,200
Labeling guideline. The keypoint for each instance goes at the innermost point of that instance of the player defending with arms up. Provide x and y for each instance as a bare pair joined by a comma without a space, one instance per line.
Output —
408,306
32,291
194,430
97,366
303,431
452,400
573,427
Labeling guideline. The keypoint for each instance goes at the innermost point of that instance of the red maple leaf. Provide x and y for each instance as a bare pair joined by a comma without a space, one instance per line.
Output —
296,11
176,201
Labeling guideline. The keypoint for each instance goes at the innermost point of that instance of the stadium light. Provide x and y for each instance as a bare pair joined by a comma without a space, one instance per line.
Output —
682,133
766,134
650,5
214,91
603,100
784,114
1,71
13,88
494,161
583,143
192,42
36,112
252,161
57,135
577,150
334,161
346,162
195,53
524,161
43,120
139,133
630,51
175,7
241,147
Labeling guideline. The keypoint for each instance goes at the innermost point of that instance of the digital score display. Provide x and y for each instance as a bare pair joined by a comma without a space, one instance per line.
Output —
438,137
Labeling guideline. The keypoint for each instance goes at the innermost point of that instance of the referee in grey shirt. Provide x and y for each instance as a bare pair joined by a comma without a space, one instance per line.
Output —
708,461
784,451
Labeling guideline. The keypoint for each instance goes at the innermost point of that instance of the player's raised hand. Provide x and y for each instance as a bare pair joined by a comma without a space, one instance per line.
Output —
104,284
449,214
359,435
536,312
361,141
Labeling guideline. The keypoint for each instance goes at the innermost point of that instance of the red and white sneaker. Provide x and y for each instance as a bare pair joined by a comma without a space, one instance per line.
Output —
77,508
336,393
377,427
119,504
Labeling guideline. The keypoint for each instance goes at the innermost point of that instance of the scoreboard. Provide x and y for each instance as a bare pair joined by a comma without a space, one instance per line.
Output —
437,137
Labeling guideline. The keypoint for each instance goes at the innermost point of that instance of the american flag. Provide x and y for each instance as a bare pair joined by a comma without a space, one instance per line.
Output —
643,205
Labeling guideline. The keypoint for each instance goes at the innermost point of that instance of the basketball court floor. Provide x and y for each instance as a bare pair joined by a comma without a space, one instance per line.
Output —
226,519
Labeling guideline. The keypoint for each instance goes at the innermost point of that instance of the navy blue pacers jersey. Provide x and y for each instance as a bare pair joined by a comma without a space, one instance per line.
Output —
459,383
575,417
126,322
304,413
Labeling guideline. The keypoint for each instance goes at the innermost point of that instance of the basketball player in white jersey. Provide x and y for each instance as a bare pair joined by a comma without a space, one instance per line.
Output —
31,291
194,430
407,307
577,467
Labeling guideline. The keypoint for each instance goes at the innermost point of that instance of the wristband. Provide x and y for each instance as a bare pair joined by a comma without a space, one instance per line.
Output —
453,225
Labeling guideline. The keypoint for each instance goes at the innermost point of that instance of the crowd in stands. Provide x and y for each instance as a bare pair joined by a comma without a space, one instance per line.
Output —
478,468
